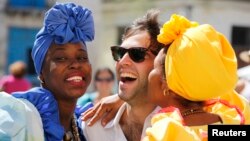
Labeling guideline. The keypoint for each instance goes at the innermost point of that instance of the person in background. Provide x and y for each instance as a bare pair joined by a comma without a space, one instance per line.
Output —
61,62
16,80
103,82
243,85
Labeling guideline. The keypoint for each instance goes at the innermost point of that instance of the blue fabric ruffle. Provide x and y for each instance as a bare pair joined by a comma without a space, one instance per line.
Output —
47,106
63,23
81,109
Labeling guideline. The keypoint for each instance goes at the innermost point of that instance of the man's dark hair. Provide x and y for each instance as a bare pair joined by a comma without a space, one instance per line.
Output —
149,23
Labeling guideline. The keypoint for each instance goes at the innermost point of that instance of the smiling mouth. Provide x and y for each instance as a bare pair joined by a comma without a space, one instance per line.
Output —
127,77
75,79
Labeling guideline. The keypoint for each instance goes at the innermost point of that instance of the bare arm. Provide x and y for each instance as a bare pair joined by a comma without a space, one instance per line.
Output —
105,110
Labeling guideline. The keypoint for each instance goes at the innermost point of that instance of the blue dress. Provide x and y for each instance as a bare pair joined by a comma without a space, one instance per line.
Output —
47,107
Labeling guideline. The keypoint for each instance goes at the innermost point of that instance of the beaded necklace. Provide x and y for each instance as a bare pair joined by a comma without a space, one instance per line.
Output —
74,134
191,112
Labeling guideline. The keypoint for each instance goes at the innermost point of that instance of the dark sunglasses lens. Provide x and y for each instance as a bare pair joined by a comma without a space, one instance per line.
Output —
117,53
137,54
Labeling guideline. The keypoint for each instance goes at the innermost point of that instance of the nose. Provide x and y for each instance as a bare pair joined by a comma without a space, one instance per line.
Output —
74,64
125,60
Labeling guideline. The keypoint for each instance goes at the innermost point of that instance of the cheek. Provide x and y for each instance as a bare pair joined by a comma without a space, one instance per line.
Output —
87,68
98,84
144,71
51,70
53,66
154,84
87,71
111,84
116,67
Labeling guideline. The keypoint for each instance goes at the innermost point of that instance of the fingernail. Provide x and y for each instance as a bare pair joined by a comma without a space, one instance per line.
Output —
88,124
103,123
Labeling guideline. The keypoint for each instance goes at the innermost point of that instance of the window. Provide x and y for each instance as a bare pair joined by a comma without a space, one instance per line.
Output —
241,36
20,43
30,64
240,42
120,31
40,4
116,1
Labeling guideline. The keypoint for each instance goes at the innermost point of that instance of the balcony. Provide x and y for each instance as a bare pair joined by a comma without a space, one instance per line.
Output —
26,7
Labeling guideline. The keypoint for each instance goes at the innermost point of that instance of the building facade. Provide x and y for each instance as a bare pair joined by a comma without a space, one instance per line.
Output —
18,25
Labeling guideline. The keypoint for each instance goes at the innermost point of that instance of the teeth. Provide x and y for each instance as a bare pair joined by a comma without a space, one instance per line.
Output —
75,78
130,75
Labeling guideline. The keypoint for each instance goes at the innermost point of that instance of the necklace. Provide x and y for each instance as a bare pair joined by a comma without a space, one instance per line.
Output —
191,112
74,134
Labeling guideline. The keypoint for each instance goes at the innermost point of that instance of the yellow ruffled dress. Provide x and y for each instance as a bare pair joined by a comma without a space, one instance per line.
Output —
168,125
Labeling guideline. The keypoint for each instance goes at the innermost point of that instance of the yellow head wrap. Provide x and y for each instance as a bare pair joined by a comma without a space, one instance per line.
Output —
200,63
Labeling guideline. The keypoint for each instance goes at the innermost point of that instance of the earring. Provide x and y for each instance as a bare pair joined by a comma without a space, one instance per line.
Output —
165,92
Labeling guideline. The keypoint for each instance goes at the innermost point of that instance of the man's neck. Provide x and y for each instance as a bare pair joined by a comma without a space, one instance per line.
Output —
132,120
138,113
66,111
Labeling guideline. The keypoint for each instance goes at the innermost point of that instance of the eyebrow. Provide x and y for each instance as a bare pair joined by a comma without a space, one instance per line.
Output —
63,49
82,50
59,49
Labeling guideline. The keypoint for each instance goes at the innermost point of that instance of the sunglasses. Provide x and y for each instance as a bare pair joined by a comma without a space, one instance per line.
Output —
104,79
137,54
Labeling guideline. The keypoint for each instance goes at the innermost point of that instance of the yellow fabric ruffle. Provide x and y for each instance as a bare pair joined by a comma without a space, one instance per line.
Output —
168,129
169,126
243,104
173,28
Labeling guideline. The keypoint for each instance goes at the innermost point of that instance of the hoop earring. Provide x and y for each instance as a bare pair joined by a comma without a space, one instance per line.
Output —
165,92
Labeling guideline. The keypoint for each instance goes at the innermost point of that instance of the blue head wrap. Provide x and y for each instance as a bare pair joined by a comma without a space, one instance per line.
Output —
63,23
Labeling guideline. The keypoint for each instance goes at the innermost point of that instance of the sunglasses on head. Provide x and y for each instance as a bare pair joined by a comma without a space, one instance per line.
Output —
137,54
103,79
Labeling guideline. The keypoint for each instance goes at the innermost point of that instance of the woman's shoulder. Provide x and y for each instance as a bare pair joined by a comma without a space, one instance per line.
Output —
47,107
19,119
229,113
166,124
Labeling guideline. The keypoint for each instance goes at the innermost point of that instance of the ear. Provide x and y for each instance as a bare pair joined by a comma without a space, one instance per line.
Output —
163,84
164,87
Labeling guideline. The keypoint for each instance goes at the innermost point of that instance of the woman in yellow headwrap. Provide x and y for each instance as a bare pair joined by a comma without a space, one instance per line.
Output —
193,78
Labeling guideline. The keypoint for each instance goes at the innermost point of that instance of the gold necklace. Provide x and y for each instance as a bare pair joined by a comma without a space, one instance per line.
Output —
192,111
74,134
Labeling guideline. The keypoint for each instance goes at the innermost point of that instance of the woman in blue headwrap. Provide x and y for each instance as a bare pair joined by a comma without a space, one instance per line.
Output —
61,61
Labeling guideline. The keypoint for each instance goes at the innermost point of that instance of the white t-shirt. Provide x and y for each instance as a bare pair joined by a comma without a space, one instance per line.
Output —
112,131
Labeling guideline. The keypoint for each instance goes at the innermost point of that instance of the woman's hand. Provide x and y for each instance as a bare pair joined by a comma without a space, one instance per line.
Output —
105,110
